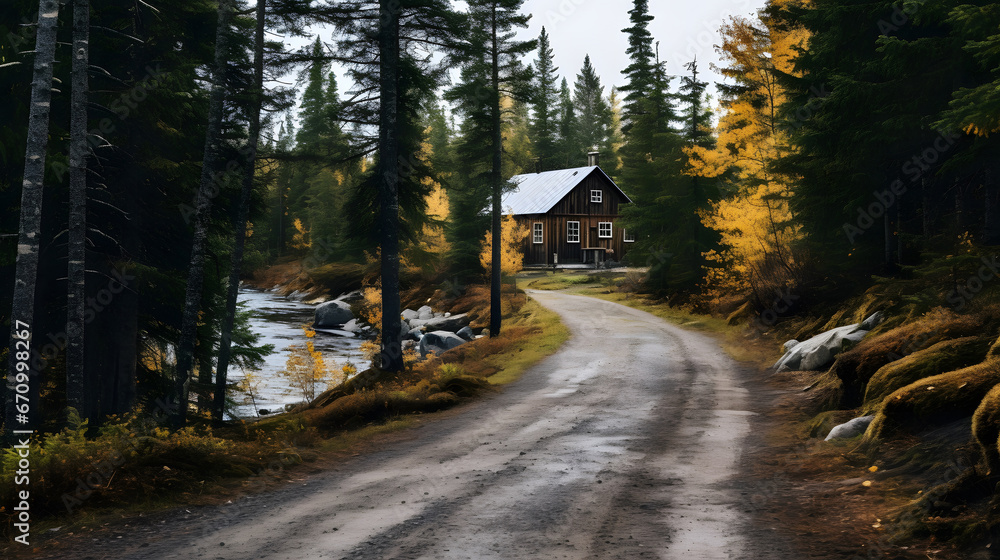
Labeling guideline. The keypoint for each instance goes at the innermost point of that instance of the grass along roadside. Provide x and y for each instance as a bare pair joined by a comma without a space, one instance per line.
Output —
742,343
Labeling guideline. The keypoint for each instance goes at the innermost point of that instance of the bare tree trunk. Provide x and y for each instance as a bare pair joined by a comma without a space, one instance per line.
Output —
196,270
391,358
29,234
77,235
236,264
496,180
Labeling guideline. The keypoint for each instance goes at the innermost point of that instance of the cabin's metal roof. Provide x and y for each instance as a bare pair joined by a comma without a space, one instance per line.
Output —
537,193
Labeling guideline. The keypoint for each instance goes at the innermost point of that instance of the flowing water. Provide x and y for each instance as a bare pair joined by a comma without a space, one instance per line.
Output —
280,322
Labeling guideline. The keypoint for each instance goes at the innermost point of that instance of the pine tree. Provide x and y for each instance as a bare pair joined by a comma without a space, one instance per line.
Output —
568,145
545,106
242,217
594,119
196,269
397,87
641,71
77,231
663,217
493,70
611,150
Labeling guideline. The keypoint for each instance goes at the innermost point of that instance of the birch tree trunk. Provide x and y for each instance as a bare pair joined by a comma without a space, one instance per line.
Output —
29,233
391,358
76,273
196,268
257,102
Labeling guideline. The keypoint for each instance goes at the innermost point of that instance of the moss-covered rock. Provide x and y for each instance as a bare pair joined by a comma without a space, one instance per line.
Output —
947,355
994,350
935,400
857,365
986,428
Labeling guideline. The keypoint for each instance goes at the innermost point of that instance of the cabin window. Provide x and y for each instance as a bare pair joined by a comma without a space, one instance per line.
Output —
604,230
629,237
597,196
536,233
572,232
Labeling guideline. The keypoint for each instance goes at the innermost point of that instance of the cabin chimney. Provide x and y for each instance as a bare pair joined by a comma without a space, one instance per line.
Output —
538,165
593,159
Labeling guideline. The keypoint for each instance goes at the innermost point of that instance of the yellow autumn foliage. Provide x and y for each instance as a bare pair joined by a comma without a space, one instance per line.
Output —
756,225
306,369
300,239
511,257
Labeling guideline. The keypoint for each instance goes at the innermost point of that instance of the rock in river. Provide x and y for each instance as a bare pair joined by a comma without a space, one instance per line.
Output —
332,314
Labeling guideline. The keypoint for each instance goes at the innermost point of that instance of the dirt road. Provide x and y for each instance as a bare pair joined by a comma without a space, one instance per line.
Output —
624,444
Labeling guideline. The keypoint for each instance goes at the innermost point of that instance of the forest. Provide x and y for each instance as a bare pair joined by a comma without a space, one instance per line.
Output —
156,153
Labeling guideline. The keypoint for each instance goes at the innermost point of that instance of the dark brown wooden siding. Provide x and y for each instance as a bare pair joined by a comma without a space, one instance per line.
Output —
576,207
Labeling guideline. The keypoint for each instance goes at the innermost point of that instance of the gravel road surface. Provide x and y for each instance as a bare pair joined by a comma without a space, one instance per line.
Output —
625,444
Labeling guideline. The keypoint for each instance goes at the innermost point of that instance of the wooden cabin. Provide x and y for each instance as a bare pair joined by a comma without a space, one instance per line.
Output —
570,215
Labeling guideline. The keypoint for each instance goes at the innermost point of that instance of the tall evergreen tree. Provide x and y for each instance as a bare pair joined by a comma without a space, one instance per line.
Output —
568,144
664,216
545,106
242,216
493,70
77,232
593,112
196,270
696,115
641,71
397,87
868,134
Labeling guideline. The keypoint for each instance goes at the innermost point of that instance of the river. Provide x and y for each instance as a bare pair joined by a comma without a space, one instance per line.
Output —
280,322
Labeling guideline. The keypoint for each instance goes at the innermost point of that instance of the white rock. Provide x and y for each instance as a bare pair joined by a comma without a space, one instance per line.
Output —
850,429
819,351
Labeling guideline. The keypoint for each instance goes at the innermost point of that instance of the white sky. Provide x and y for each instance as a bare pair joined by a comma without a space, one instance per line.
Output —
685,29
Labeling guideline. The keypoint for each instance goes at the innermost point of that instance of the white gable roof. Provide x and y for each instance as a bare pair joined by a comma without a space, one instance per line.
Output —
537,193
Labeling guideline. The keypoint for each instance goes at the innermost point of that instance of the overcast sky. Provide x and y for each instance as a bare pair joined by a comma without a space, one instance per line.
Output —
685,29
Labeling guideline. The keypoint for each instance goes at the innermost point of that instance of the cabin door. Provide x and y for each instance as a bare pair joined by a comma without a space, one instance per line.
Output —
592,238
